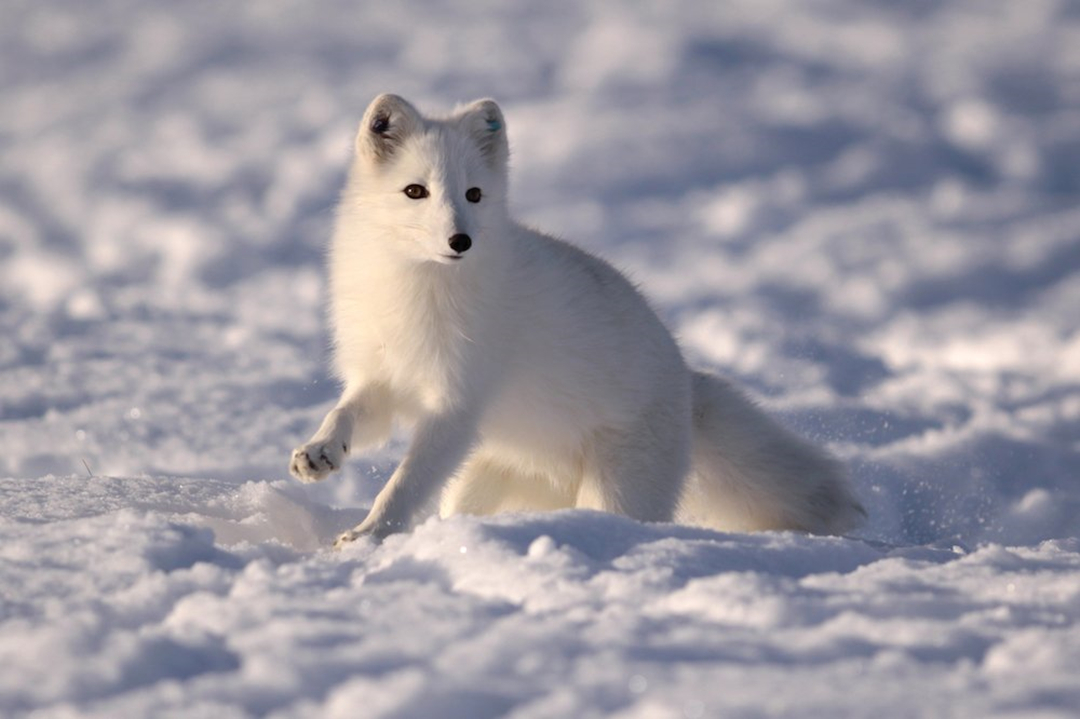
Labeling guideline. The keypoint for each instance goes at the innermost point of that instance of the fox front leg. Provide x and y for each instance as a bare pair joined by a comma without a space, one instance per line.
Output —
360,418
439,446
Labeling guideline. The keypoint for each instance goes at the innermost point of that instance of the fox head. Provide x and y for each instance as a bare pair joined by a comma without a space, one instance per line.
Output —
432,189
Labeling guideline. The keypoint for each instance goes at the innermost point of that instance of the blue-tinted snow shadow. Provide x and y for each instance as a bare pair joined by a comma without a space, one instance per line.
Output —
602,540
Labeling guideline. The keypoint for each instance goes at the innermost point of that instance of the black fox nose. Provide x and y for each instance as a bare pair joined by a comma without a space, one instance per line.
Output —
460,242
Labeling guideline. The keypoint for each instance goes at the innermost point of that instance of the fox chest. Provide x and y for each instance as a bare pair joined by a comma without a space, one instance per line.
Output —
418,350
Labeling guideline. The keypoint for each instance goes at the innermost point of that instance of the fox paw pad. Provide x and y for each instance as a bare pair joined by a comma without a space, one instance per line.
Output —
315,461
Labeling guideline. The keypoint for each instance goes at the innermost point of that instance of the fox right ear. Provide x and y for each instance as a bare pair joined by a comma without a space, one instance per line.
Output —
388,120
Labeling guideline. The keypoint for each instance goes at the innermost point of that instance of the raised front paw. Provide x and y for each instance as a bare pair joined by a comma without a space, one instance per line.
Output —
316,460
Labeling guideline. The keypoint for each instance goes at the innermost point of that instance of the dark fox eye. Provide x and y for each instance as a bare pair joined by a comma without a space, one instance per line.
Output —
473,194
416,192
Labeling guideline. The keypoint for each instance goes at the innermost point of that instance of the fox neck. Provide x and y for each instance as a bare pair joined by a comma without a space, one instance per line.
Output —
413,324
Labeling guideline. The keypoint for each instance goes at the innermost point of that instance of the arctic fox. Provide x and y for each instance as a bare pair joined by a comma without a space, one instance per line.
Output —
535,374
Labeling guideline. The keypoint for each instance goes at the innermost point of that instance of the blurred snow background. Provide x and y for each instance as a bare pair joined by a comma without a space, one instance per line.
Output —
867,213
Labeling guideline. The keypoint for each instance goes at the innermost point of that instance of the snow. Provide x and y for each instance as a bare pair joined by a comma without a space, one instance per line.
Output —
866,213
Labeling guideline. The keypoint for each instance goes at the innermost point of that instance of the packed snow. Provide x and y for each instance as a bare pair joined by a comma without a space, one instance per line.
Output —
868,214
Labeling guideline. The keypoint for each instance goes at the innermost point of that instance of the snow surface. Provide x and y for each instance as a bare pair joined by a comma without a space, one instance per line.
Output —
865,212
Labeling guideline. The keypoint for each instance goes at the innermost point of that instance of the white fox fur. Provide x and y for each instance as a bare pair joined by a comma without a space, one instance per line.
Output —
536,375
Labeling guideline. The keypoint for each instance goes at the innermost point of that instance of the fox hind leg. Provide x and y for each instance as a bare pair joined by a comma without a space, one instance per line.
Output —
638,472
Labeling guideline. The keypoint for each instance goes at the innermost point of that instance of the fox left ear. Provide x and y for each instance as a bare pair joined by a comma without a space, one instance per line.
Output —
484,121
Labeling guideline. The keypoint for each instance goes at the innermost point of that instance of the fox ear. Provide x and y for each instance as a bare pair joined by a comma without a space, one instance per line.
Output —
484,121
388,120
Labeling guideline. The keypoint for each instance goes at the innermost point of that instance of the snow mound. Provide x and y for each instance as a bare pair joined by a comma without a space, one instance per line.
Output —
146,612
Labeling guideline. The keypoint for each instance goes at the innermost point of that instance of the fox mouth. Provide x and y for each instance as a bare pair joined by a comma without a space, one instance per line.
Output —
454,257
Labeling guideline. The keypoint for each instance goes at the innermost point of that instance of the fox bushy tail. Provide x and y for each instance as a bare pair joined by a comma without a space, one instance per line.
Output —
749,473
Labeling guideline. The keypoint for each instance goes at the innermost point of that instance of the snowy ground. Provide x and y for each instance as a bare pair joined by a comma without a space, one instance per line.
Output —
868,213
